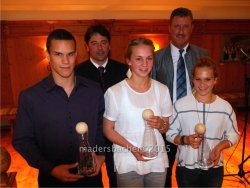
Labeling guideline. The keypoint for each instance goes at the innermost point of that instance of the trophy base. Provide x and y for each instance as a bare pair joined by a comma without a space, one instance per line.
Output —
205,165
86,171
150,156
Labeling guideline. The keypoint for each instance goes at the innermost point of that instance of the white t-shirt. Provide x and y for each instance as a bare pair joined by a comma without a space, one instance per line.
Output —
125,106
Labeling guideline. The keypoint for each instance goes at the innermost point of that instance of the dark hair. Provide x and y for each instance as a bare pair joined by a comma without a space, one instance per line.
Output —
181,12
137,42
208,63
59,34
97,28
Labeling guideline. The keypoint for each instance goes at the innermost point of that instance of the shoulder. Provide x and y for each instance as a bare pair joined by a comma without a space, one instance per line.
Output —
223,104
162,51
116,90
118,86
189,99
117,64
40,88
83,64
89,83
44,84
90,90
198,50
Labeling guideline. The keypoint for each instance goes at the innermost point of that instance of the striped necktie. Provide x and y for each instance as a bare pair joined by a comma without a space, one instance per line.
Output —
181,83
101,71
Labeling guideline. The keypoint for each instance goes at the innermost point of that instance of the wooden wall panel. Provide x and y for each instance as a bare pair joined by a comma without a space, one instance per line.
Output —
82,53
23,61
207,42
244,27
28,30
118,47
160,29
28,62
6,92
79,29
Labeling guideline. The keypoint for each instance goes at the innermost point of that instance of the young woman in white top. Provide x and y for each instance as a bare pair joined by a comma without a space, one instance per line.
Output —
123,123
216,114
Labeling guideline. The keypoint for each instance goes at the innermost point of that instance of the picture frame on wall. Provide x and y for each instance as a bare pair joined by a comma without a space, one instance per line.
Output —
232,47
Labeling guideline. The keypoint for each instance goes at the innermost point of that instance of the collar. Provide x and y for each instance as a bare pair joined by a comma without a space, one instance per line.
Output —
176,50
96,65
50,83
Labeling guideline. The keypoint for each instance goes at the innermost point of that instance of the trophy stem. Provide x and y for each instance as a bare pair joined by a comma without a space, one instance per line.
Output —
202,148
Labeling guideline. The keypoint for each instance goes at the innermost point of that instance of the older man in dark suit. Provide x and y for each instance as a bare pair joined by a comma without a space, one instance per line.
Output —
105,71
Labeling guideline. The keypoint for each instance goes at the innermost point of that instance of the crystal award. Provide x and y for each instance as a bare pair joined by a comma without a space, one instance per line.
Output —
86,161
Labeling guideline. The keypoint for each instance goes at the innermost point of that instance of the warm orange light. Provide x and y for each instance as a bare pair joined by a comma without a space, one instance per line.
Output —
157,47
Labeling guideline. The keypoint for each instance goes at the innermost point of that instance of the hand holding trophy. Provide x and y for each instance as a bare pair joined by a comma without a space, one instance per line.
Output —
87,164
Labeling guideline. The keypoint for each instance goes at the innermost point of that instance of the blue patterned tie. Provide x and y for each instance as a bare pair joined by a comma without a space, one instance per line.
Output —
181,84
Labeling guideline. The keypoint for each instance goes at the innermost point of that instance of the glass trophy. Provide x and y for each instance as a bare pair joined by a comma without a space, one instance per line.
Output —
204,152
86,161
149,143
204,155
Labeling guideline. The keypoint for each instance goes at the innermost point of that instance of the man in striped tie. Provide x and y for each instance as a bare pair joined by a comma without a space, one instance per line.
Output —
173,66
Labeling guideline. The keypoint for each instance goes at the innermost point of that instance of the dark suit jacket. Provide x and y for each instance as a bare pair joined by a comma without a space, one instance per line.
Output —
114,72
163,69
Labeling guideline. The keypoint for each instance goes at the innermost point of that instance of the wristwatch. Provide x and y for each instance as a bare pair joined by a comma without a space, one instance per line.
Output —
164,125
182,140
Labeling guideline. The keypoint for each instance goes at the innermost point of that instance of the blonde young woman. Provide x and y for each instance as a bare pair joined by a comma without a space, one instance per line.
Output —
123,123
216,114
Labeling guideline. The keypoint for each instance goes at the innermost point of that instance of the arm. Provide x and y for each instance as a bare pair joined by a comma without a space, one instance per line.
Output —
173,134
115,137
190,140
99,136
61,172
99,156
24,138
230,137
215,155
164,101
158,123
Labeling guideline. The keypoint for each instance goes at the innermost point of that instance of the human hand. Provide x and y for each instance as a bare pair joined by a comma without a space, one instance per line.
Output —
61,172
193,140
215,155
139,154
155,122
99,159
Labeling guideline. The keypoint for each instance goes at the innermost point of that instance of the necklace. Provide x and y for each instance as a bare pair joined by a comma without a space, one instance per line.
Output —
204,119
